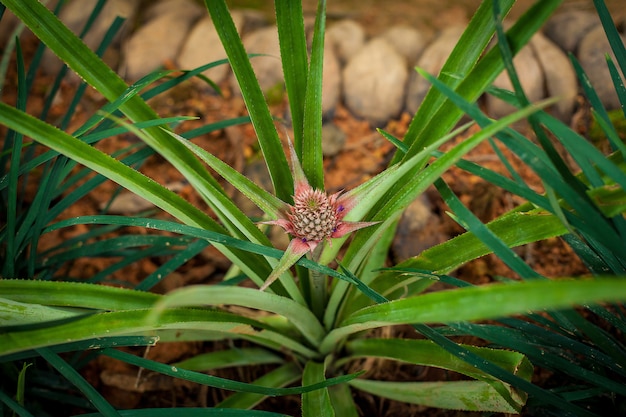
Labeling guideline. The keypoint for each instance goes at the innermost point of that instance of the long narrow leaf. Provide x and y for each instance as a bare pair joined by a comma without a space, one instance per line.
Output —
253,97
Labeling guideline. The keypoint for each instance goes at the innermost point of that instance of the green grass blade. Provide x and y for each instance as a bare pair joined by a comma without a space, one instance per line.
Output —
514,229
615,40
227,358
253,96
77,380
596,103
293,53
171,265
311,154
428,353
477,303
456,395
220,382
125,176
316,403
264,200
471,223
11,246
191,412
73,294
465,55
297,314
87,344
279,377
13,405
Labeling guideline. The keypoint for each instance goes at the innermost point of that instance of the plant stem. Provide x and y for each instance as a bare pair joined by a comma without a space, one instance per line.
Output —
318,286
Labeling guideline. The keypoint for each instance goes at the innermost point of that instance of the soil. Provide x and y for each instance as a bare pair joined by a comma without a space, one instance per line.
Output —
365,154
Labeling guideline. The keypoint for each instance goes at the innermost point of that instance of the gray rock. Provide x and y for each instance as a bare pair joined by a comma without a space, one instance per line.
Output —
531,78
374,82
202,46
161,38
331,82
347,37
568,28
257,172
431,60
591,54
333,139
559,75
75,14
268,69
130,203
408,41
417,230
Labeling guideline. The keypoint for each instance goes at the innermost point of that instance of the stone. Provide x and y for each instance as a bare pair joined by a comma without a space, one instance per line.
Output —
130,203
374,82
418,229
333,139
431,60
591,54
331,82
567,29
268,69
408,41
202,46
75,14
560,78
257,172
160,39
346,37
530,76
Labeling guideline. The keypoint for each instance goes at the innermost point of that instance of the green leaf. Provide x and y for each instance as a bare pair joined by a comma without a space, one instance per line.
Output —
455,395
234,357
479,303
75,294
311,152
299,315
428,353
221,382
279,377
253,97
79,382
316,403
293,53
14,314
515,228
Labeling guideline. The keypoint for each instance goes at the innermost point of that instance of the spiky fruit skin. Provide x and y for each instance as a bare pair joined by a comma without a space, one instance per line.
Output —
314,215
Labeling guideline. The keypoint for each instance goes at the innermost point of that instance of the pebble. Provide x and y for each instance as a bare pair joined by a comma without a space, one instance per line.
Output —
418,229
407,41
568,28
333,139
530,76
128,203
346,37
203,46
560,78
591,54
268,69
374,82
331,83
75,14
160,39
431,60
